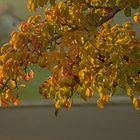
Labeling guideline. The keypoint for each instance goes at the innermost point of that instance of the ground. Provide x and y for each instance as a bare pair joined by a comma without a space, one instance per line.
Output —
79,123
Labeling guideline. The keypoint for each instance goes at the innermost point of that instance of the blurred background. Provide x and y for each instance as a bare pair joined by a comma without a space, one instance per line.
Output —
12,12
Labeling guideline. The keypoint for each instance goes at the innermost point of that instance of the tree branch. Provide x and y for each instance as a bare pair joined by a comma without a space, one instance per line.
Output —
109,16
100,7
97,6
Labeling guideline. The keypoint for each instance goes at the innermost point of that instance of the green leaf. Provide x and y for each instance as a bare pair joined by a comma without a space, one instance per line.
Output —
52,2
137,87
127,11
51,30
135,4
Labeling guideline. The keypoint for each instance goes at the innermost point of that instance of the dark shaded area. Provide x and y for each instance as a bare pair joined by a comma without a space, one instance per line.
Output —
79,123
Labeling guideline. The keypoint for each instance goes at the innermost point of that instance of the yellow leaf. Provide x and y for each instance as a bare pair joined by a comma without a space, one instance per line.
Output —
1,72
92,61
67,104
128,24
6,95
105,98
100,104
82,74
16,102
23,85
27,77
130,91
13,84
57,104
82,40
137,17
89,92
61,71
32,74
135,103
100,91
0,101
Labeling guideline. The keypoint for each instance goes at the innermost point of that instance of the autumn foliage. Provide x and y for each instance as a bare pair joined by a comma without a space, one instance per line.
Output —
77,41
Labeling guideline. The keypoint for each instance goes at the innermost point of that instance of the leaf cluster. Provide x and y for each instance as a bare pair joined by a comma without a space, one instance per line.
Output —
74,39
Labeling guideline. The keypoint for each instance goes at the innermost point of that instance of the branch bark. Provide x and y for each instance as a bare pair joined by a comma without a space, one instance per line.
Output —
109,16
